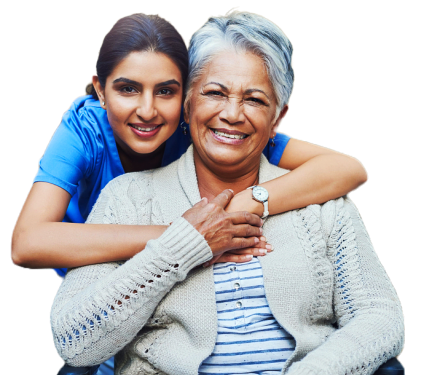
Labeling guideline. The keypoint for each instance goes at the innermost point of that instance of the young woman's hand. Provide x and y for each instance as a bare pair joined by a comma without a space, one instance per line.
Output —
242,255
224,231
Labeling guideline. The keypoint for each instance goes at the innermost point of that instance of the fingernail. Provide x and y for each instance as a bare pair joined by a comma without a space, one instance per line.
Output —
262,222
231,190
261,230
262,251
249,257
269,247
263,239
256,240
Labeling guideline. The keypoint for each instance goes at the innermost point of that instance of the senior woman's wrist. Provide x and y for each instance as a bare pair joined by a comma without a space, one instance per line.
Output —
185,246
244,201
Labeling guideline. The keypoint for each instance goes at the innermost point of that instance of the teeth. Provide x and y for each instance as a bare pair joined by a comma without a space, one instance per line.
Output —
232,136
144,129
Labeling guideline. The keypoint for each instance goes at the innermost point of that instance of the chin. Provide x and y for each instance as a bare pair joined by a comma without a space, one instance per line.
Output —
228,157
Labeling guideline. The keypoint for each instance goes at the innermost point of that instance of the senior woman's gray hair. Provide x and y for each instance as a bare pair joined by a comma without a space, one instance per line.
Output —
244,32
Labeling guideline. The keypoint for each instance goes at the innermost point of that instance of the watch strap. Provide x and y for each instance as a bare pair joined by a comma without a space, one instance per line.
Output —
266,211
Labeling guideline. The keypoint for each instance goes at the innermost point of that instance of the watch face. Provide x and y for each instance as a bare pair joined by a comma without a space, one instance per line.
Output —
260,193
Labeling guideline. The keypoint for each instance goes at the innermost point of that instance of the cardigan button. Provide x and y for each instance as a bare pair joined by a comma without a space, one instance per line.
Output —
233,268
239,304
236,286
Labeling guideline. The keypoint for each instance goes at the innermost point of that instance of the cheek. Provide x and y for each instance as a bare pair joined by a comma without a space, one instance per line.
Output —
119,110
194,129
260,119
170,110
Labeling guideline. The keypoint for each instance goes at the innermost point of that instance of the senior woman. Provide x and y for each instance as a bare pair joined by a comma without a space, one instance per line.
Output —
321,303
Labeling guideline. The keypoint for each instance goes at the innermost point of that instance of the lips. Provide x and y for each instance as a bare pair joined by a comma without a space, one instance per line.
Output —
145,130
227,136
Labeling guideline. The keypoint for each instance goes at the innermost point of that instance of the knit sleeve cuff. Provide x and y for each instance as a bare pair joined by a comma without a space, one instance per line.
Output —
186,246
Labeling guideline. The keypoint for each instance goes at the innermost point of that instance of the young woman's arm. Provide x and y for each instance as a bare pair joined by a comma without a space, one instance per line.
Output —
41,240
317,175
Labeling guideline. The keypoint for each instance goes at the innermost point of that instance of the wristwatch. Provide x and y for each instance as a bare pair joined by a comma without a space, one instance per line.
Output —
261,194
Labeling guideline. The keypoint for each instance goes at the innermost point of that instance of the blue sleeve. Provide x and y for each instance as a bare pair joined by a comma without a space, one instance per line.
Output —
70,154
274,154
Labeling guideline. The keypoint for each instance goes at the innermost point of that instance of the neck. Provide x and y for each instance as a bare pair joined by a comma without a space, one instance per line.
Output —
212,181
134,162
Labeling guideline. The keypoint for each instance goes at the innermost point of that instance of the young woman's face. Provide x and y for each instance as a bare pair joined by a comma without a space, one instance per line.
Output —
143,99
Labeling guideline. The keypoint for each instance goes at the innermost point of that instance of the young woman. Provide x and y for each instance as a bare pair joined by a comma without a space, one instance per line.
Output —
133,121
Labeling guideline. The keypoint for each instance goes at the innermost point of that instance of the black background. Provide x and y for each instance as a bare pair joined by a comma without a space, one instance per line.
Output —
340,79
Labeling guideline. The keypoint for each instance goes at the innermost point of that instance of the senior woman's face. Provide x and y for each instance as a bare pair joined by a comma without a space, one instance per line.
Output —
232,110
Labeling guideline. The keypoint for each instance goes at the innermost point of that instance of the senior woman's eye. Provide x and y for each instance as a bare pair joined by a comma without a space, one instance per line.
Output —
214,93
253,100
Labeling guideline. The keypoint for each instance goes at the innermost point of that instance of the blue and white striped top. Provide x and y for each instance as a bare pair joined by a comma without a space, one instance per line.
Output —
250,340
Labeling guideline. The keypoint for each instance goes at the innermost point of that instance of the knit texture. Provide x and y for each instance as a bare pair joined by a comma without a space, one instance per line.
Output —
324,285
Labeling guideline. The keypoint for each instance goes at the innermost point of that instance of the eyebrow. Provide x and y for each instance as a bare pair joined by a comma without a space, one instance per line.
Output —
250,91
127,80
132,82
247,92
169,82
223,87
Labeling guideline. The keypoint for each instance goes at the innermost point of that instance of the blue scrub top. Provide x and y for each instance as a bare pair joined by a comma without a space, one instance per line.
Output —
82,156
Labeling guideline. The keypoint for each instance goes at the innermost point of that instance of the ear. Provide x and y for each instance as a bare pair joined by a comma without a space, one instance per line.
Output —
99,90
186,109
282,114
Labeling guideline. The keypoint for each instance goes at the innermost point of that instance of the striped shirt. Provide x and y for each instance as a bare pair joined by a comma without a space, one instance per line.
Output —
249,340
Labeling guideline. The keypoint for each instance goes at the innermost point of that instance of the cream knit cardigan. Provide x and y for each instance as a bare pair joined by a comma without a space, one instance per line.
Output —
324,285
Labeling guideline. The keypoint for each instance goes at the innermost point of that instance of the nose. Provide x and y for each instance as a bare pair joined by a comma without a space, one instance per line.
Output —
146,108
233,111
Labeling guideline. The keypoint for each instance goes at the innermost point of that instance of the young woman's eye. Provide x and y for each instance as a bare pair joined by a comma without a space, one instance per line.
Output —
165,92
128,90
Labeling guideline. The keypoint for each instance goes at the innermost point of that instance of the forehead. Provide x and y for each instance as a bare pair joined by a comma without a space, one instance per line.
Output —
146,67
238,70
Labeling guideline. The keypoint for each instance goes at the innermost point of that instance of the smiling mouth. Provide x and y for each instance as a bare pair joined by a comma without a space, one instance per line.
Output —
227,135
144,129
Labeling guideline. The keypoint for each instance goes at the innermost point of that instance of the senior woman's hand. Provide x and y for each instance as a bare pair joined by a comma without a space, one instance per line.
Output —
224,231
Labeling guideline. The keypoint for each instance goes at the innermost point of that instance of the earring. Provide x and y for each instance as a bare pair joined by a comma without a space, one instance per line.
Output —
103,103
272,142
183,127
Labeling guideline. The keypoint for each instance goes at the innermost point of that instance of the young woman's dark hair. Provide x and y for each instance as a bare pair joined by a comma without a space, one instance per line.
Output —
139,32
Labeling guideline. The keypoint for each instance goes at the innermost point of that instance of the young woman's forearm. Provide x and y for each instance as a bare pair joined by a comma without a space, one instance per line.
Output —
318,180
317,175
42,240
66,245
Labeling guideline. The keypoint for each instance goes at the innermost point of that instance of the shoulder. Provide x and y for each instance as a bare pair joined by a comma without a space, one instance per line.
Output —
331,215
275,148
84,104
138,186
132,198
269,171
86,116
124,200
130,185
